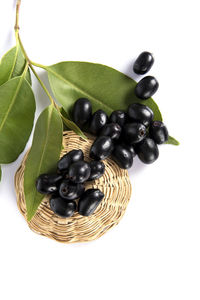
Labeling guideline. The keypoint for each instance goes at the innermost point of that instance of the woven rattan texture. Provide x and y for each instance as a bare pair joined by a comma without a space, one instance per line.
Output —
115,184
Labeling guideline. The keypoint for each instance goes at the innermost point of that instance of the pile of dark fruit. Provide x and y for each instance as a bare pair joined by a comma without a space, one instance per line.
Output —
67,185
125,134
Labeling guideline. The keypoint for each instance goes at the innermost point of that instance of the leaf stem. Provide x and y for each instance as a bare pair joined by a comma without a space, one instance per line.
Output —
17,19
31,64
38,65
18,40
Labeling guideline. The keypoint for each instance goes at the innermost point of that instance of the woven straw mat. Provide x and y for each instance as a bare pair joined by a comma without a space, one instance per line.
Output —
115,185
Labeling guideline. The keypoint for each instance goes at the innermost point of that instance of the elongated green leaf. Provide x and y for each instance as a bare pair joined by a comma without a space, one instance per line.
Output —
17,109
107,88
12,65
172,141
43,156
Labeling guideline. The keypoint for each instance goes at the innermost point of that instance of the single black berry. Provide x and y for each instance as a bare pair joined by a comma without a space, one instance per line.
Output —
98,120
47,183
71,191
143,63
113,130
140,113
68,159
146,87
147,151
97,169
101,148
79,172
123,157
119,117
134,133
89,201
61,207
129,147
158,132
82,111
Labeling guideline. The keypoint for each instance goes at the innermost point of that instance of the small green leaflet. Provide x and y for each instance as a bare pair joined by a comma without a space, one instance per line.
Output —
105,87
12,65
43,156
172,141
17,109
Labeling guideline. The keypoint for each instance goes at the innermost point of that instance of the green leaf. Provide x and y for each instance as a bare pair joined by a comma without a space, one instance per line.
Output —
12,65
17,109
43,156
106,88
172,141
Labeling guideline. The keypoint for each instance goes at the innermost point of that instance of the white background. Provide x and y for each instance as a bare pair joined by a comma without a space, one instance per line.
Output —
154,253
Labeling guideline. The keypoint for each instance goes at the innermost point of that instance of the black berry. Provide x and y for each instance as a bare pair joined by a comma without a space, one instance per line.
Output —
68,159
113,130
71,191
123,157
98,120
146,87
129,147
82,111
61,207
119,117
47,184
143,63
158,132
147,151
97,169
79,172
140,113
101,148
134,133
89,201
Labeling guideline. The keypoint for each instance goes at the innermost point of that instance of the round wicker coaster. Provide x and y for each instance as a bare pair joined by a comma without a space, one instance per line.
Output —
115,185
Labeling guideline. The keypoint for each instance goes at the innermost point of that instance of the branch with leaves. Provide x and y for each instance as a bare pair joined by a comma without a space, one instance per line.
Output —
106,88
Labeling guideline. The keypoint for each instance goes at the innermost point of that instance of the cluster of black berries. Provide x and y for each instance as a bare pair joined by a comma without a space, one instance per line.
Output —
68,185
125,134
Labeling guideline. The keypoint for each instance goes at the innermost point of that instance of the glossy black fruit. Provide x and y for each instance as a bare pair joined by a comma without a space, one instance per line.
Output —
82,111
146,87
47,184
79,172
143,63
101,148
158,132
99,119
68,159
140,113
97,169
119,117
71,191
89,201
113,130
61,207
123,157
147,151
134,133
129,147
